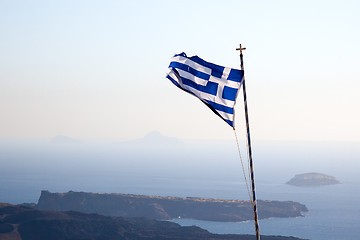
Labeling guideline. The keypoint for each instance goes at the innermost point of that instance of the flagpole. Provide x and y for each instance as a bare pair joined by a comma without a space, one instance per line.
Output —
249,148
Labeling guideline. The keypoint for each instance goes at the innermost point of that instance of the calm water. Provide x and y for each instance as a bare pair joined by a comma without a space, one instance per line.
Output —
334,211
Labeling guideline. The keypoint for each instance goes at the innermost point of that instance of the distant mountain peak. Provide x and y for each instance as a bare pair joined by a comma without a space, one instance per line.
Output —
159,136
60,139
158,139
155,135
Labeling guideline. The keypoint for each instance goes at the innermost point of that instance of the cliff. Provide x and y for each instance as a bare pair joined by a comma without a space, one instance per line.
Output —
312,179
165,208
22,223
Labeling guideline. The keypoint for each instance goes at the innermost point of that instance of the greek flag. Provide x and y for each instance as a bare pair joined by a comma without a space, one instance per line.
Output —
215,85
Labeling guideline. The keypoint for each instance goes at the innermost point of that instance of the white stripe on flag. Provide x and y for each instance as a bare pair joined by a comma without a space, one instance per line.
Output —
199,94
192,64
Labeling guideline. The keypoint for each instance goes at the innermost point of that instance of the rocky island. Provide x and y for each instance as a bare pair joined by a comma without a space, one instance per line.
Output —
312,179
166,208
23,223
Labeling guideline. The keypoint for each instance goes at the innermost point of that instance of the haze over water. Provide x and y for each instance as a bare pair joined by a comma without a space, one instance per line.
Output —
169,167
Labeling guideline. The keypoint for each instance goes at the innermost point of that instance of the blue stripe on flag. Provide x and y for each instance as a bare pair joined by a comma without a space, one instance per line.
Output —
210,88
216,70
229,93
189,69
220,107
231,123
181,54
173,81
235,75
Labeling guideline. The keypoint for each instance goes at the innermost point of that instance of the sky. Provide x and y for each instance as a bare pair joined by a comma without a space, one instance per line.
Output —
96,69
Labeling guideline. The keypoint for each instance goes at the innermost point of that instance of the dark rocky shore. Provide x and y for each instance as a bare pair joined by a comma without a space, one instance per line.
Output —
24,223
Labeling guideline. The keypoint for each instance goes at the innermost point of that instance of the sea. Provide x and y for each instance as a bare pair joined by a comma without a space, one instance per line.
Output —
196,169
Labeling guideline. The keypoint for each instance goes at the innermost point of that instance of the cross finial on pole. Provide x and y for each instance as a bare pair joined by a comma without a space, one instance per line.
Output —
240,49
241,56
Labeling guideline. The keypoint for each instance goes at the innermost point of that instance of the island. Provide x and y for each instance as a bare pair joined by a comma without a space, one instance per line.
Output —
24,223
312,180
166,208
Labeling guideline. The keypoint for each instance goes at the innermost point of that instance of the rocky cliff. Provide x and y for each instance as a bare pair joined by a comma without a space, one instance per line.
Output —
165,208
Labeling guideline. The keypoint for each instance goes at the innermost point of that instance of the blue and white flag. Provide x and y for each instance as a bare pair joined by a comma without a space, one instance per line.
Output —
215,85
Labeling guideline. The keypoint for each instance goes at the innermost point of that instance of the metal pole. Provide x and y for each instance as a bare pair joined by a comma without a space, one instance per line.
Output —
249,147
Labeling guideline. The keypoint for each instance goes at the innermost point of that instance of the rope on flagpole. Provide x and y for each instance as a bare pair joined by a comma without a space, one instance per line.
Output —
254,205
247,180
243,169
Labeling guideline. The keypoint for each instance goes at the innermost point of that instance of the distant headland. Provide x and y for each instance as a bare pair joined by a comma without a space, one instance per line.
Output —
166,208
312,180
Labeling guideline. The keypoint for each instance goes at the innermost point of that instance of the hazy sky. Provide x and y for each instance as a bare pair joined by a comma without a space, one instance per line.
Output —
96,69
